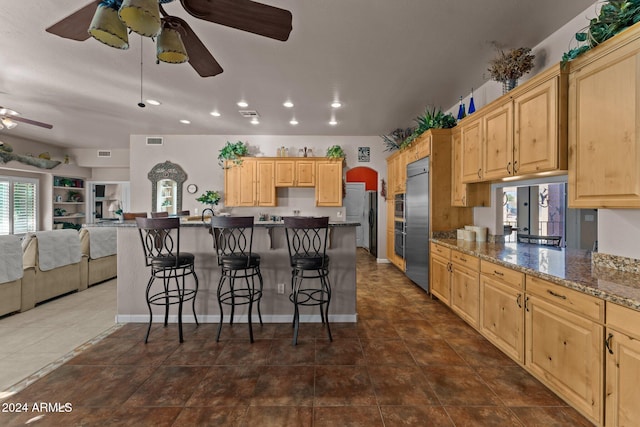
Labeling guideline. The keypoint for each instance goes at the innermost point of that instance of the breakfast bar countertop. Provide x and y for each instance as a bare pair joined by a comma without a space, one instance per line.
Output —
571,268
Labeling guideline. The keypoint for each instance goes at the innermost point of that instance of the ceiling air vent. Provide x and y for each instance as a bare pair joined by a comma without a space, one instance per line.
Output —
154,140
249,114
104,153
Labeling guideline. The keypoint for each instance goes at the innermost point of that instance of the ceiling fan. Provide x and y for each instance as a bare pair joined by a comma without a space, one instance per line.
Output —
9,119
176,40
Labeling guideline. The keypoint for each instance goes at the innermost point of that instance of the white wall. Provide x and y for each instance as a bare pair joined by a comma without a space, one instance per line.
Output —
197,155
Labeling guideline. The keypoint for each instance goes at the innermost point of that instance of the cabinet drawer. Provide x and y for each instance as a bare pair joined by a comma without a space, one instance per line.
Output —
623,319
468,261
440,250
503,274
580,303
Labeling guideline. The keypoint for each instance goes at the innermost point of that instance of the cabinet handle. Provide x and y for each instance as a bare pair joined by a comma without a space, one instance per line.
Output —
497,273
509,168
515,167
519,300
480,173
450,267
463,259
556,295
607,343
526,304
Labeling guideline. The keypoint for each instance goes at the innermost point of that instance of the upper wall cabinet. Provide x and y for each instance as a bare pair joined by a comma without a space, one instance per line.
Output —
604,115
329,183
295,173
523,133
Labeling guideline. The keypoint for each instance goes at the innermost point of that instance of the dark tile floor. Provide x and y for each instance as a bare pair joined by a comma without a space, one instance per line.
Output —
407,362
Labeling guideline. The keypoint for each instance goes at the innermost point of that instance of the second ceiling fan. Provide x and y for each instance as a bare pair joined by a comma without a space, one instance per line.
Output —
109,21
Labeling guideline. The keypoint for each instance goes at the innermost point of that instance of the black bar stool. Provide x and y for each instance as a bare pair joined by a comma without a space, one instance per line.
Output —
307,242
232,242
161,244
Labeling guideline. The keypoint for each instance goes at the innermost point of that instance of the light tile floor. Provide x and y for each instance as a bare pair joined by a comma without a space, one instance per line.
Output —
31,340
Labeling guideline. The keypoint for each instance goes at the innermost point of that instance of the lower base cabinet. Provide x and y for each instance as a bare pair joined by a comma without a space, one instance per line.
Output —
565,351
440,274
465,287
622,397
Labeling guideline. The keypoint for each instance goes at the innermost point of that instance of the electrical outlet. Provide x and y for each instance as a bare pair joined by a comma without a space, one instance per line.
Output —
281,288
339,215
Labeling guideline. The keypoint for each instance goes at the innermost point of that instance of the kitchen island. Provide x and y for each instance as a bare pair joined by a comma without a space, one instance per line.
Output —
269,241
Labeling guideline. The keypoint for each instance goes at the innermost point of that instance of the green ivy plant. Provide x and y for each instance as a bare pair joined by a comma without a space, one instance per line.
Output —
335,151
210,198
232,151
614,16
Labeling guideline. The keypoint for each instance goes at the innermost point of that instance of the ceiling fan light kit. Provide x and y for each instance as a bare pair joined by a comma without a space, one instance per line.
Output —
170,47
106,27
141,16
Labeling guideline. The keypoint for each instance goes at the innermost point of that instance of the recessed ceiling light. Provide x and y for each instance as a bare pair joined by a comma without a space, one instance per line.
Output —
293,122
215,114
153,102
336,104
255,121
288,104
243,104
185,122
333,122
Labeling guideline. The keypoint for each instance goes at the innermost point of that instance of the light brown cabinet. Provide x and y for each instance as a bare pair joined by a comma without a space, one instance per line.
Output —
440,273
463,195
295,173
604,119
265,186
564,342
471,141
622,366
502,308
329,182
497,141
465,286
250,183
419,149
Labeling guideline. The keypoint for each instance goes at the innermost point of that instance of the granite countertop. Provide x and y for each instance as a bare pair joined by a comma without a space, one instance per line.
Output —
571,268
198,223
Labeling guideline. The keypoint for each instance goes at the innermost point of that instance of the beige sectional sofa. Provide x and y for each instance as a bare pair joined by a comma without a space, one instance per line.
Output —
11,274
99,247
53,266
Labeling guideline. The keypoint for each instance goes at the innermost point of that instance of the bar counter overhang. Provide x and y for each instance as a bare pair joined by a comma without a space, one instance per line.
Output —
269,241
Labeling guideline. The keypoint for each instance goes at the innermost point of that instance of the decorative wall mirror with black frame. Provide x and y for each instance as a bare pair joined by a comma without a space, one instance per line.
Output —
167,180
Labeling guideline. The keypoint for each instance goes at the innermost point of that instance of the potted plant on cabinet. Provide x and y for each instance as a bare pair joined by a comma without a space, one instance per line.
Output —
508,67
234,152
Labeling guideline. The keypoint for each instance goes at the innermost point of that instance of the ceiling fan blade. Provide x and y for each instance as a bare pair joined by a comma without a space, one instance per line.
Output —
245,15
76,25
31,122
199,56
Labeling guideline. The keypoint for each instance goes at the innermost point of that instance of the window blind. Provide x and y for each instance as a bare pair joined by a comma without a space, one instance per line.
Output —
5,224
24,207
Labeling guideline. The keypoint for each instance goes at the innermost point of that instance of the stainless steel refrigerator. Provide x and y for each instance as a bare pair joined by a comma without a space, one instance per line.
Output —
417,201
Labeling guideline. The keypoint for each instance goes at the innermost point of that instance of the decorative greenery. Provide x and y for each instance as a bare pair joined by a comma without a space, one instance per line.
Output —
614,16
234,152
210,198
74,196
511,65
335,151
432,118
395,138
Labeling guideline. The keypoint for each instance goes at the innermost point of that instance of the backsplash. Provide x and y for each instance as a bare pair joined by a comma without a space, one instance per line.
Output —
629,265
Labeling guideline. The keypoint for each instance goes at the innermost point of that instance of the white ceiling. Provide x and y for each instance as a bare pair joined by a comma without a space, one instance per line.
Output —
384,59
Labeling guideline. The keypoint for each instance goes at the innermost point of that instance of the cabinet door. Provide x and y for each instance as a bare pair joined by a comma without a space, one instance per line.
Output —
498,142
564,351
502,316
285,173
247,183
265,186
623,373
458,189
329,183
535,146
440,278
401,171
465,289
604,144
231,184
471,151
305,173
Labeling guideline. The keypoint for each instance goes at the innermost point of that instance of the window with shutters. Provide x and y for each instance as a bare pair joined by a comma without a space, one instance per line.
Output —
18,205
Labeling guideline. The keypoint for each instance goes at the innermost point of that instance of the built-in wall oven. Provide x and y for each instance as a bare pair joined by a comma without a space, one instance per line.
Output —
398,211
398,238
